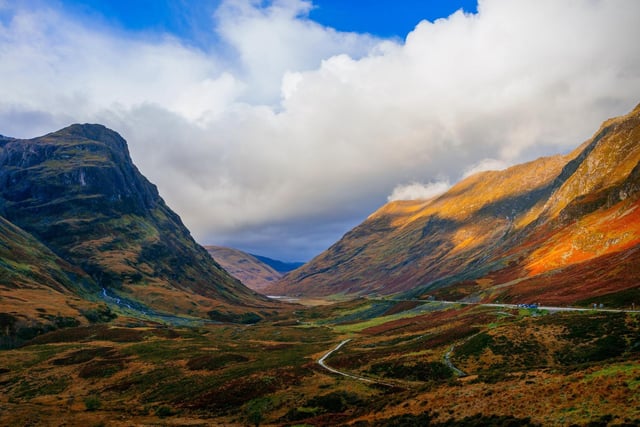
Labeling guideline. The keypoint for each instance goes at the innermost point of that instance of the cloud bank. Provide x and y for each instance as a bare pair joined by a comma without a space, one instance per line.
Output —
285,133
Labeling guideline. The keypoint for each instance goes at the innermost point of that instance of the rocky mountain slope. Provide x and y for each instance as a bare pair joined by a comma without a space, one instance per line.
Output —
562,229
252,272
78,193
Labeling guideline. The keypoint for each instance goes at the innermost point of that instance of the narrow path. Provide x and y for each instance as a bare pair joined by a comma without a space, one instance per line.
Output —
447,361
322,362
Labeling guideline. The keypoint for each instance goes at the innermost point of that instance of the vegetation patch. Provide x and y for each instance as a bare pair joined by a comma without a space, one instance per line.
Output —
92,403
229,317
101,368
236,393
593,351
99,332
139,383
156,350
428,419
84,355
631,372
402,306
474,346
334,402
102,314
623,298
47,386
215,361
413,371
595,337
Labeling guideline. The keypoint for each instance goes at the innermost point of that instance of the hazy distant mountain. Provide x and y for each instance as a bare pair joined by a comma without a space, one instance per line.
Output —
249,269
77,192
560,229
279,266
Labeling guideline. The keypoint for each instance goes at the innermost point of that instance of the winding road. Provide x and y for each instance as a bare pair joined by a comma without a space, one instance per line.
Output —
447,357
322,362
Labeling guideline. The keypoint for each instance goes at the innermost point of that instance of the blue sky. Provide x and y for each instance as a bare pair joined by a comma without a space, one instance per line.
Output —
190,20
276,127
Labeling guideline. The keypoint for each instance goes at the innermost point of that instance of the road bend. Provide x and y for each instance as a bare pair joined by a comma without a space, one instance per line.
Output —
322,362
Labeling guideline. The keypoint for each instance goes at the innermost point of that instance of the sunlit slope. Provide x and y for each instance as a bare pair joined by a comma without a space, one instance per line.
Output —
252,272
35,284
493,232
78,192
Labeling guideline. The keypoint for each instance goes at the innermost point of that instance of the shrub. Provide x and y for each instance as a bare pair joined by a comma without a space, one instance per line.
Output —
92,403
228,317
101,314
213,362
417,371
164,411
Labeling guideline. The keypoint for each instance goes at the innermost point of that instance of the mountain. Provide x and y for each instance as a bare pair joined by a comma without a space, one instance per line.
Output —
78,192
561,229
247,268
279,266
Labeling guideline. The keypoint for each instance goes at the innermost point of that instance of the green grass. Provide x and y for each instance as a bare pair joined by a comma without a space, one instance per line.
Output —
20,359
627,370
51,385
380,320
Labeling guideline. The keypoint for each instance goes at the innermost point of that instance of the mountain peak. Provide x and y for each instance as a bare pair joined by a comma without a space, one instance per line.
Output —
93,132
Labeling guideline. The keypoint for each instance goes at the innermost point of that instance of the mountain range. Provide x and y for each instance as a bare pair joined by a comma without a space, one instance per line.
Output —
81,226
105,296
563,229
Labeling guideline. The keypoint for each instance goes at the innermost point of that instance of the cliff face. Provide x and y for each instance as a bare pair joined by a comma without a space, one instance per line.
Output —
78,192
492,233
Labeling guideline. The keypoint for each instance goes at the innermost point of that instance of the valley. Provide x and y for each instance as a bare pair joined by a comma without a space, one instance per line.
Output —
522,366
505,301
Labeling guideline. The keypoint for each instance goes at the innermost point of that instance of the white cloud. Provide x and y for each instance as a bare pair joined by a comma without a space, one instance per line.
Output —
288,122
273,40
418,191
485,165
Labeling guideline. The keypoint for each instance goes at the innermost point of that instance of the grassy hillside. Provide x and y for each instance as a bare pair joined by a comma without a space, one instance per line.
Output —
38,290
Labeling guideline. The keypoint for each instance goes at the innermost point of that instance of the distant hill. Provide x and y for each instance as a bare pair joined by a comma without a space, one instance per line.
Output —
280,266
558,230
249,269
91,224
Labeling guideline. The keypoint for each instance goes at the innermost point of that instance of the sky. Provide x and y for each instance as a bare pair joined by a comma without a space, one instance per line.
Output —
277,126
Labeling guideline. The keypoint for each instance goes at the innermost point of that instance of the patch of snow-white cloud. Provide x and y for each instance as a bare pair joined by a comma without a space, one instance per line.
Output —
418,191
286,122
485,165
